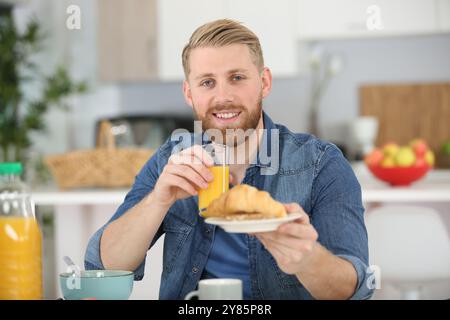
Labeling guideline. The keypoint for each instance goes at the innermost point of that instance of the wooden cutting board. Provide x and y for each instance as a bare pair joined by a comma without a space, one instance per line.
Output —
408,111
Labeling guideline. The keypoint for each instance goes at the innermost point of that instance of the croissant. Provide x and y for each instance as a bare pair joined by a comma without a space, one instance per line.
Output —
244,202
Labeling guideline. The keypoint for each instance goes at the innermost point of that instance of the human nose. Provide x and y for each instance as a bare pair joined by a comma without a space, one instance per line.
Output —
224,94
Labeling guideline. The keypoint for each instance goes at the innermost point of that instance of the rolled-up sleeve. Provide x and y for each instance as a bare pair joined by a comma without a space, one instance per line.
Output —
364,289
338,215
143,184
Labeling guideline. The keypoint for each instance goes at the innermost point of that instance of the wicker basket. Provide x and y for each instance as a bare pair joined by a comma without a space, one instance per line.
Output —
106,166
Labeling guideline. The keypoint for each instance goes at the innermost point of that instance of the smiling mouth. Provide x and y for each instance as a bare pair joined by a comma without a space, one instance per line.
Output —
226,116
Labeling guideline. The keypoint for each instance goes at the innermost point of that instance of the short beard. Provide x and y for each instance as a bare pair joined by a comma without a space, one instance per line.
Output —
249,121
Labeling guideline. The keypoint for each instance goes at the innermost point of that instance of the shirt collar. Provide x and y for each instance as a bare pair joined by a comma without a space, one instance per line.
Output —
263,157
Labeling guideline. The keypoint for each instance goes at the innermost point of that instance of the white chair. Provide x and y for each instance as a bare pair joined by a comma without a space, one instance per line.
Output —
410,245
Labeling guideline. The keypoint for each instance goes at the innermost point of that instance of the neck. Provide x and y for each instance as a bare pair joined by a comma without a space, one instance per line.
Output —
250,149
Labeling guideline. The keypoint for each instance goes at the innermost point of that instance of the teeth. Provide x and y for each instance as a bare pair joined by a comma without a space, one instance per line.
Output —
226,115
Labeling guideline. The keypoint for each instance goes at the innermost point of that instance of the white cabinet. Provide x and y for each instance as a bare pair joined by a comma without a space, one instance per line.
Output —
272,21
443,12
274,24
126,34
177,20
144,39
322,19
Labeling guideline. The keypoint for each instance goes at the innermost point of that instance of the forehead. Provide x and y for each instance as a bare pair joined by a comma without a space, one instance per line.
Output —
220,60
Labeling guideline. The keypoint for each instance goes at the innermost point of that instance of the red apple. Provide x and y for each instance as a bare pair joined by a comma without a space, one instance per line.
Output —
374,158
420,162
419,146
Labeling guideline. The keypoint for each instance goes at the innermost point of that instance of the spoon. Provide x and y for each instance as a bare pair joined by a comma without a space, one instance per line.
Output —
73,267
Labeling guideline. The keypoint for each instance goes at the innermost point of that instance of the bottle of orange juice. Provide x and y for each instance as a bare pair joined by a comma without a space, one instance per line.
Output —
20,238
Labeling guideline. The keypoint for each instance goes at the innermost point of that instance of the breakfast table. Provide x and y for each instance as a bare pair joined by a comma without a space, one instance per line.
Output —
434,187
79,213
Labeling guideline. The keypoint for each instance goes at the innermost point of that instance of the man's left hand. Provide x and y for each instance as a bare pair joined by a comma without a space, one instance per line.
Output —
293,243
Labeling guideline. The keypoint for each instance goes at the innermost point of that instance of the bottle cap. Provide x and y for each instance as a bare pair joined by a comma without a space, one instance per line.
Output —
14,168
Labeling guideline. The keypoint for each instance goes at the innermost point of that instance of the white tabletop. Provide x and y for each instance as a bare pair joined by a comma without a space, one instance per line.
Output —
79,197
435,187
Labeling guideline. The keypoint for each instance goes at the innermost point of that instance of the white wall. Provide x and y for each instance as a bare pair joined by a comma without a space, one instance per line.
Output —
77,51
394,59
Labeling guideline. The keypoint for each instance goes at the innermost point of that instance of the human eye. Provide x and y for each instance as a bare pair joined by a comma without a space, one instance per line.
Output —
208,83
238,77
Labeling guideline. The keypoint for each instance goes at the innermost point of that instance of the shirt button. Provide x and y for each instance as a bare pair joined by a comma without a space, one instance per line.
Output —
207,231
194,269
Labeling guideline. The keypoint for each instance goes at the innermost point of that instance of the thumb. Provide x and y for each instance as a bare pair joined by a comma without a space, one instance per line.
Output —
293,207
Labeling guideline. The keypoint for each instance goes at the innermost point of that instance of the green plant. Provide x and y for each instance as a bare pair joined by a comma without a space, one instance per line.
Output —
446,148
20,115
324,67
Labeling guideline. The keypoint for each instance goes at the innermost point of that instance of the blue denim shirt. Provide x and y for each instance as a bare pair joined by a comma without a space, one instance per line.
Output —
310,172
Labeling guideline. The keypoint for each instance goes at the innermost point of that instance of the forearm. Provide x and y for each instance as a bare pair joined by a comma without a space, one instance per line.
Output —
126,240
327,276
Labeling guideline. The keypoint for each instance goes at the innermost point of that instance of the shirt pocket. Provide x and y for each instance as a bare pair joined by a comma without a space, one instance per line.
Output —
177,228
294,186
174,239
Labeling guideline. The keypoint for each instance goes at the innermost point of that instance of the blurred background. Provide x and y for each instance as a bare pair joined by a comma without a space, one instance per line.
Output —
355,72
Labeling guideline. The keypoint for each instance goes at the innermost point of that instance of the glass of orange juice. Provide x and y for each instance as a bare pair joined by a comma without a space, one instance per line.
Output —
221,173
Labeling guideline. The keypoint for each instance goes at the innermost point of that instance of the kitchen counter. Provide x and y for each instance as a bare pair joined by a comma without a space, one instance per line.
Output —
79,197
435,187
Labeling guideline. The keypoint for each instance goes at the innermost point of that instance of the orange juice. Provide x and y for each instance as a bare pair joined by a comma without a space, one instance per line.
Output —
20,258
219,185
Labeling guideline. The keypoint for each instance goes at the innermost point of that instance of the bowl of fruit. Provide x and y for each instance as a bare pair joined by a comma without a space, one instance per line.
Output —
400,165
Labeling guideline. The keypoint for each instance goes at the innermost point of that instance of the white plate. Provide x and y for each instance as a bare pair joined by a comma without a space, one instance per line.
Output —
250,226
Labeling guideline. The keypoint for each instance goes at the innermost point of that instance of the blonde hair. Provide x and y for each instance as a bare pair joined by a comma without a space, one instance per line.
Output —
221,33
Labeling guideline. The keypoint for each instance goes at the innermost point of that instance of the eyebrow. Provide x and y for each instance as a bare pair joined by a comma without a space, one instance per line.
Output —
206,75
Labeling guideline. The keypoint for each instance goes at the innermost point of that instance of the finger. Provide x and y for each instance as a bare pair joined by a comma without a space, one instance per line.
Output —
201,169
231,179
186,160
298,230
279,253
200,153
261,240
295,207
187,173
293,244
303,233
195,155
279,238
181,183
284,250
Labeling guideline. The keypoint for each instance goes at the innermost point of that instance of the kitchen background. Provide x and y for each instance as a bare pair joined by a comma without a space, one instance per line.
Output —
129,53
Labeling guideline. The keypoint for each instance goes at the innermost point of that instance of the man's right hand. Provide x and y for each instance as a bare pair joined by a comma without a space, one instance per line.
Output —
184,173
125,241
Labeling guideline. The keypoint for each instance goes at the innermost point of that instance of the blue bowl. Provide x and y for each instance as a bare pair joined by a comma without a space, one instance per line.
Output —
97,284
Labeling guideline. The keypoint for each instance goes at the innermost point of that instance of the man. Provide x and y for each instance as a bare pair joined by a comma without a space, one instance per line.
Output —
322,255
